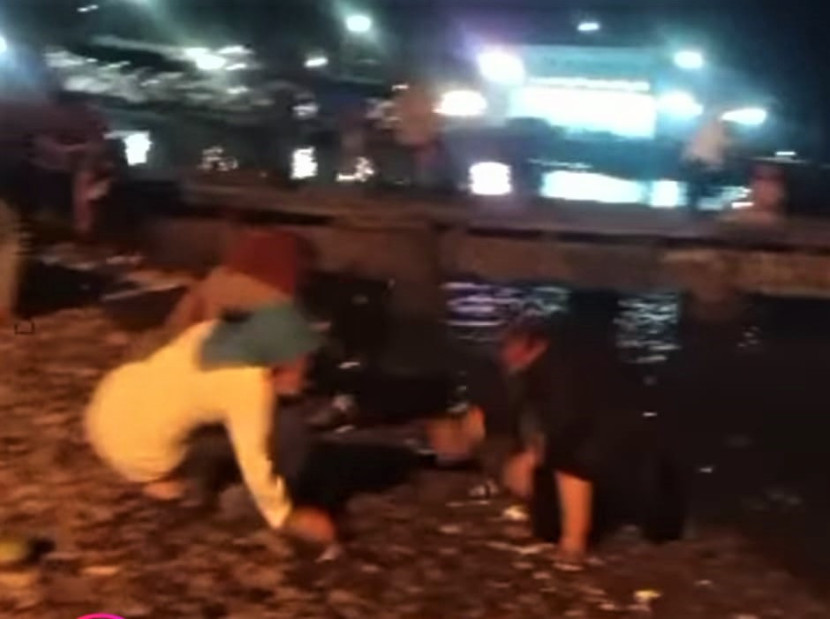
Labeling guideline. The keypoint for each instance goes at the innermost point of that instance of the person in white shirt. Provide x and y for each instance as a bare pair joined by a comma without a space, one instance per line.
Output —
229,373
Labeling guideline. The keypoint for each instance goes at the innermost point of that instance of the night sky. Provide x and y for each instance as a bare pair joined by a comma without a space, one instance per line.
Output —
783,45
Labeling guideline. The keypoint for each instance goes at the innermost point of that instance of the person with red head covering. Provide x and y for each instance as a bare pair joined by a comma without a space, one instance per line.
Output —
261,267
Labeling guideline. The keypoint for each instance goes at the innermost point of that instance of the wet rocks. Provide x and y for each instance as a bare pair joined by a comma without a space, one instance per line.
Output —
414,553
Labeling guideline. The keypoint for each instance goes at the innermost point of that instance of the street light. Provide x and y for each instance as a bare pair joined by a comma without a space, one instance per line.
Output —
689,60
359,23
589,26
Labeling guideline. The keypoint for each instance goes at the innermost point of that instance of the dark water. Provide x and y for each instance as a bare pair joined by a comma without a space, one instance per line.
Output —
749,402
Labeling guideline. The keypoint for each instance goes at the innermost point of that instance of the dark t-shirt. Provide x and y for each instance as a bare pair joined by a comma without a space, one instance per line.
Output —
579,396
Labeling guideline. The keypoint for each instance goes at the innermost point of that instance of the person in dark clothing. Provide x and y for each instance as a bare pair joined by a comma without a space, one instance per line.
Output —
566,437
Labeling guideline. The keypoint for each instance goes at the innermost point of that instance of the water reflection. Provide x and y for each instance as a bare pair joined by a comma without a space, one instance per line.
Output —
663,193
646,323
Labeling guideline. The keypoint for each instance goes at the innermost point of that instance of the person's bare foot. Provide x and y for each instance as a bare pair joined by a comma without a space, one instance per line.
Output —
171,490
311,526
571,556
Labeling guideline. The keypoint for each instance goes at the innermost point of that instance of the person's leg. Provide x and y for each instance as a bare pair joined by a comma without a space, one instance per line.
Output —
518,475
694,186
209,466
576,497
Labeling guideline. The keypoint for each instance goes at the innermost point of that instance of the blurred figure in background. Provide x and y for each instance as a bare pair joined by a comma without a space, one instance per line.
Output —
704,158
417,131
11,250
768,192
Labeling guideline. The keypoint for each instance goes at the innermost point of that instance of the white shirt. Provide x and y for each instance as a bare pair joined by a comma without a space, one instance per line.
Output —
142,413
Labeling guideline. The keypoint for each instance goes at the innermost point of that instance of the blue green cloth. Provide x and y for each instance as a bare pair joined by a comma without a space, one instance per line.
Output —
270,336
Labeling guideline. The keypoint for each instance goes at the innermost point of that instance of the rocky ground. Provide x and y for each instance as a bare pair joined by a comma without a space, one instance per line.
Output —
418,551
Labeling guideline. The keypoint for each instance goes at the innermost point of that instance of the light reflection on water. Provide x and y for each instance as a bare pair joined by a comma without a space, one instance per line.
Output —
646,324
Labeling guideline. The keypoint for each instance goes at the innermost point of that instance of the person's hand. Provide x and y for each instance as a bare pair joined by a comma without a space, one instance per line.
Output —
311,525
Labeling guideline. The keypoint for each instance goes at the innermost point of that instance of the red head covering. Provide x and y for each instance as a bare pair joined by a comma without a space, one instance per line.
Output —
274,257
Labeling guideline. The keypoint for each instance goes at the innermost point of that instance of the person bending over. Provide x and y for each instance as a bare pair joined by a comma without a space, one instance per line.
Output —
559,419
147,419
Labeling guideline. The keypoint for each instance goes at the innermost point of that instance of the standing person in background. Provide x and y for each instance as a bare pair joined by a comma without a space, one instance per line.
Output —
11,251
705,157
417,130
352,139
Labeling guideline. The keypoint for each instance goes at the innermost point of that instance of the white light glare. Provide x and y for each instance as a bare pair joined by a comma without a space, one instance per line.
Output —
786,154
587,83
205,60
317,61
88,8
359,24
501,67
690,60
237,66
490,178
462,104
234,50
137,148
681,105
303,164
4,46
749,117
589,26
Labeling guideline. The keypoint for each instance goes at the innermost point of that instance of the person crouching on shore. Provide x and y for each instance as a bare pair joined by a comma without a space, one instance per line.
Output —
147,420
567,397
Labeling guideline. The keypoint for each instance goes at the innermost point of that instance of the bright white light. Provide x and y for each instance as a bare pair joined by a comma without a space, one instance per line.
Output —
362,172
624,114
233,50
204,59
235,91
303,164
490,179
587,83
462,104
237,66
588,187
666,194
749,117
4,46
317,61
501,67
786,154
88,8
589,26
359,24
690,60
680,104
137,148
